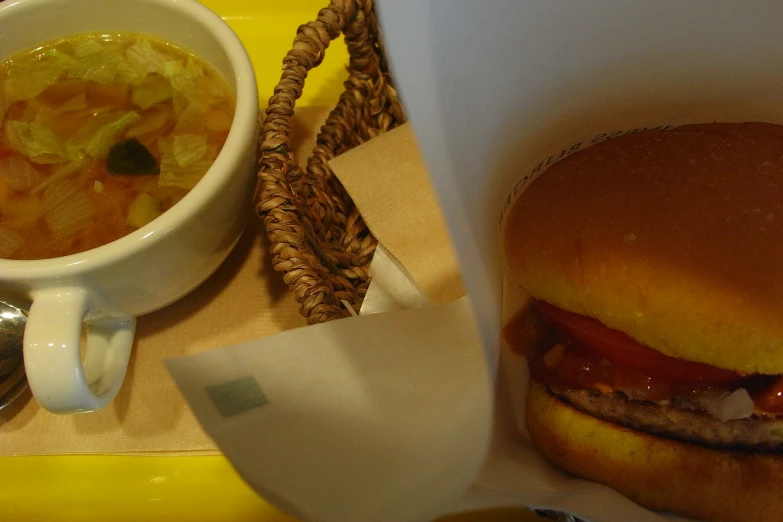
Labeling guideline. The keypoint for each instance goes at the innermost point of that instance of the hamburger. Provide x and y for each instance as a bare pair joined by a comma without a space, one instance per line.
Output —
654,334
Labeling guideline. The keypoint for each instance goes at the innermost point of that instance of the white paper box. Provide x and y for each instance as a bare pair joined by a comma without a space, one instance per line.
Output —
498,90
495,89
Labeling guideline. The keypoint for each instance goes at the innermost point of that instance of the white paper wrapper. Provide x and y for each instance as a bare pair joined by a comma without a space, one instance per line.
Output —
495,91
498,91
514,474
383,417
391,288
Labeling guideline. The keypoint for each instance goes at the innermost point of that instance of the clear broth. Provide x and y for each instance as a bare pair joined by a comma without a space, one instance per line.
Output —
81,120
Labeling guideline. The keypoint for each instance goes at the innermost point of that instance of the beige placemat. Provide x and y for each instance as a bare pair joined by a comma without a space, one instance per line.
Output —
245,299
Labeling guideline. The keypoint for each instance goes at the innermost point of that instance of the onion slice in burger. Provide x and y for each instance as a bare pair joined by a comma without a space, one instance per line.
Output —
726,405
623,349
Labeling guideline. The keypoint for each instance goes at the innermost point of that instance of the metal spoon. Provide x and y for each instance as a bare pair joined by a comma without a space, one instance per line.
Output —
13,381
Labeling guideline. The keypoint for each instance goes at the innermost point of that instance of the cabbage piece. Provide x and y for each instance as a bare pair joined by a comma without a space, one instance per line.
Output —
98,62
70,215
65,171
184,77
188,148
58,192
77,102
86,47
192,119
149,122
172,174
36,141
180,103
154,89
214,86
100,67
142,55
189,79
96,137
10,242
17,172
129,73
28,78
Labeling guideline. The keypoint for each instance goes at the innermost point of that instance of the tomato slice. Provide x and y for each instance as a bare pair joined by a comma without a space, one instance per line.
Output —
624,350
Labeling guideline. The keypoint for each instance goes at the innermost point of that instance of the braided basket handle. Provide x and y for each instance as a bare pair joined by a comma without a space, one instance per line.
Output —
303,209
310,44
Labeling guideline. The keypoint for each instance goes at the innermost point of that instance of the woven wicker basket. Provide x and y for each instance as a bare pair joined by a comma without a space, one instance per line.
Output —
319,241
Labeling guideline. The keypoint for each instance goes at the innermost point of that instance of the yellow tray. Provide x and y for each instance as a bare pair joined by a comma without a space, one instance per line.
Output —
177,488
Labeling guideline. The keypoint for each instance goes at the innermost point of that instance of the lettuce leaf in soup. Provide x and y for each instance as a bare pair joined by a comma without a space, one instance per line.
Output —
27,79
18,173
96,137
36,141
175,174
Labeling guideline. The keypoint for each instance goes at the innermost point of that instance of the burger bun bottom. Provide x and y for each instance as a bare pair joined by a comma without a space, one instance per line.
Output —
656,472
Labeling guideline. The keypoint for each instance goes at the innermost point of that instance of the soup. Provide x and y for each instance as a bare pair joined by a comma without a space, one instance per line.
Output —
99,135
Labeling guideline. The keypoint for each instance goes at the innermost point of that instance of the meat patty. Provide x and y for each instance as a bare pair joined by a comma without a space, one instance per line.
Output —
753,434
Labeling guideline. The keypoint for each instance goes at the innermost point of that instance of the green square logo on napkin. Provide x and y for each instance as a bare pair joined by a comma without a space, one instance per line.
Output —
237,396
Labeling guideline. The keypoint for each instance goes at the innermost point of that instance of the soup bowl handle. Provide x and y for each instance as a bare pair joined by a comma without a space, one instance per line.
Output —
58,378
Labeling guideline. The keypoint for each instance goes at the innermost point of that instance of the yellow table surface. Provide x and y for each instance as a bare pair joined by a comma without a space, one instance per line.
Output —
181,488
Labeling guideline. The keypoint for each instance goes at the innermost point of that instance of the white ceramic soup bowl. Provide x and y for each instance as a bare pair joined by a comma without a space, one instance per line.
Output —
106,288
